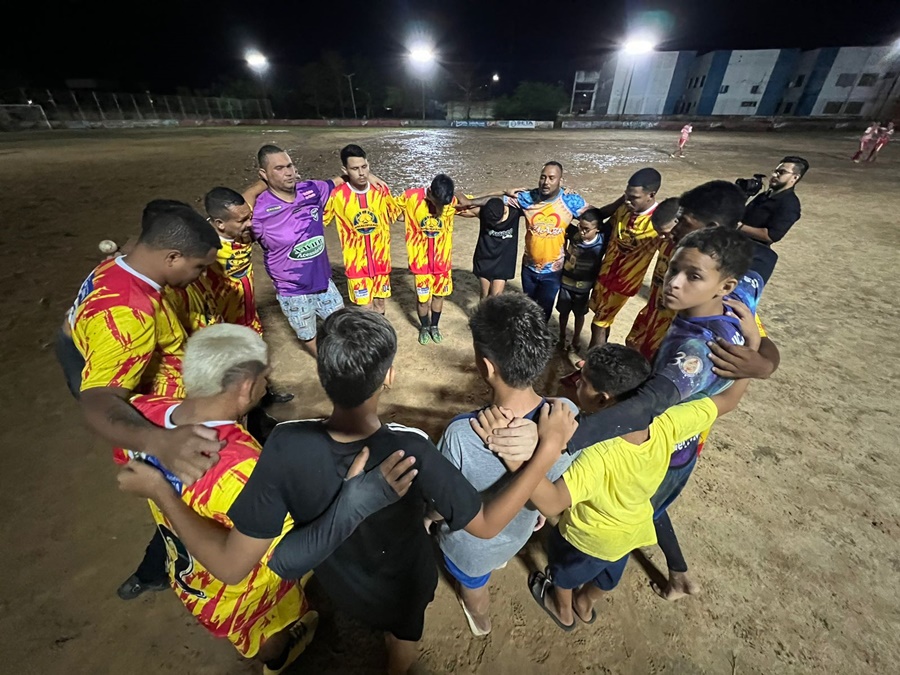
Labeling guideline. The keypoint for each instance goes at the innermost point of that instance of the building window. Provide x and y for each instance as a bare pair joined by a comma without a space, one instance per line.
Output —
799,81
853,108
723,89
832,108
788,107
868,79
845,80
889,76
748,104
754,89
703,80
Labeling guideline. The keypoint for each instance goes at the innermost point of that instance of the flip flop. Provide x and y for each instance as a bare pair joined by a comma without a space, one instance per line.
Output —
476,631
591,620
538,583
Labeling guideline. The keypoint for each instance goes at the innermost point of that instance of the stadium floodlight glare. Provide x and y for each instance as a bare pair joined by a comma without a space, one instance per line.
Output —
638,46
423,55
495,77
256,61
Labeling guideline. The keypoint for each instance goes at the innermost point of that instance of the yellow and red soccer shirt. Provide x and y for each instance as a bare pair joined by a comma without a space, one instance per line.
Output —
546,223
128,333
429,238
231,285
633,242
195,305
363,222
262,604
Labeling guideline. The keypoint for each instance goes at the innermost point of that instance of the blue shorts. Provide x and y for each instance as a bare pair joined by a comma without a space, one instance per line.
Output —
671,487
301,310
464,579
571,568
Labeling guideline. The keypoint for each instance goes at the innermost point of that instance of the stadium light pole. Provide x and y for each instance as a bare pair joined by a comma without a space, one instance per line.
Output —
259,64
422,58
633,48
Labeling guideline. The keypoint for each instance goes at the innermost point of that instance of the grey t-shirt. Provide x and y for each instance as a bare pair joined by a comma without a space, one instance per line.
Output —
487,473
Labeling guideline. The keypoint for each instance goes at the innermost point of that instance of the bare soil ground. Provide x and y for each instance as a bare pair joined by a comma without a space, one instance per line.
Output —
790,524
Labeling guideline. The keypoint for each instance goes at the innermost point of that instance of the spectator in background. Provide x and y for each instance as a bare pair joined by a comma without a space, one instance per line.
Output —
769,216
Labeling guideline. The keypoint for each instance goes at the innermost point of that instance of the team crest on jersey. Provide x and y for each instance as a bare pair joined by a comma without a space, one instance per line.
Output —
431,226
689,365
546,225
305,250
365,221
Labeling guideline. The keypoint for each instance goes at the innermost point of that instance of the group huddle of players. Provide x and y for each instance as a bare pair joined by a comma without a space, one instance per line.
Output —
163,348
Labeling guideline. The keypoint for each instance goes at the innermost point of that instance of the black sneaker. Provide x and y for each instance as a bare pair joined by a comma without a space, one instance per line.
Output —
132,587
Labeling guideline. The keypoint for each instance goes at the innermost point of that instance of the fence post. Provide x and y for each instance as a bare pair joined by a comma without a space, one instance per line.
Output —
99,107
77,107
136,109
152,107
168,109
118,107
181,105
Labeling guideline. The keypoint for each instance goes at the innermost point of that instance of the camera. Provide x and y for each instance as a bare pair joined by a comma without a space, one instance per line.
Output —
751,186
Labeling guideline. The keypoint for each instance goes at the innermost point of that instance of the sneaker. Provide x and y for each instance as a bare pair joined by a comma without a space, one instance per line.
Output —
424,335
132,587
436,335
302,634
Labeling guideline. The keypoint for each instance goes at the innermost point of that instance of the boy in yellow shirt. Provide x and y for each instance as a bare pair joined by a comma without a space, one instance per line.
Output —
604,497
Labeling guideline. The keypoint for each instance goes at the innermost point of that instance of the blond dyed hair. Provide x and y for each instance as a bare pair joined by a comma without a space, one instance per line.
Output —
218,356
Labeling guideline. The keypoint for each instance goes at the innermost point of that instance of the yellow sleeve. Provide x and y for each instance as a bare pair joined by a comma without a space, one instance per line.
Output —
686,420
585,475
400,203
759,324
329,210
118,343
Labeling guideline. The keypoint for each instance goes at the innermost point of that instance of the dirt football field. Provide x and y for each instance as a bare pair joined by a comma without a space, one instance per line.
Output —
791,523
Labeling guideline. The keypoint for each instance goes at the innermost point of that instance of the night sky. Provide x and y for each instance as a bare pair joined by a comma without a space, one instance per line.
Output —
165,44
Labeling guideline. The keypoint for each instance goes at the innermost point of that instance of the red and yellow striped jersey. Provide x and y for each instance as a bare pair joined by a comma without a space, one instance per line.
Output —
429,237
363,222
241,612
195,304
129,335
231,283
633,241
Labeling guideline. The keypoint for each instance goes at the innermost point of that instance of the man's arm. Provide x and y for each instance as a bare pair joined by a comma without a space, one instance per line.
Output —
758,233
483,199
736,362
557,423
252,193
551,499
611,208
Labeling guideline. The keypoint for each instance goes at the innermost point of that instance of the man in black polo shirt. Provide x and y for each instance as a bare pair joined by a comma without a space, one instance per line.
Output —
770,215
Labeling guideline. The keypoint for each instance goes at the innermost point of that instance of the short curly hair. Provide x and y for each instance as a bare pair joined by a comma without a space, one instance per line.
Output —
732,250
615,370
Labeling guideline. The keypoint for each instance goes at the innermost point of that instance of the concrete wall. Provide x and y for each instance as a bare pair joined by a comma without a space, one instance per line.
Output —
746,71
856,64
646,80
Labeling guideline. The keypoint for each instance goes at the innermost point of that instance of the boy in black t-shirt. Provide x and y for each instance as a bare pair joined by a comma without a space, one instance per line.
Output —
494,261
384,574
585,246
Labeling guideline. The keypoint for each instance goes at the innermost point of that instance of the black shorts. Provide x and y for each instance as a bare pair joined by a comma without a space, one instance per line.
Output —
572,301
571,568
71,360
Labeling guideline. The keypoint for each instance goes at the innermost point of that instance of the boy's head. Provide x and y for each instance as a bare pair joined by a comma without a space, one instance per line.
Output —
226,361
589,224
356,356
183,244
665,217
706,265
353,159
492,211
717,202
640,193
512,341
440,193
610,373
228,213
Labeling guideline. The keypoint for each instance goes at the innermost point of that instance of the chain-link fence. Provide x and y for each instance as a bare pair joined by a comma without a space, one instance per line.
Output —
97,108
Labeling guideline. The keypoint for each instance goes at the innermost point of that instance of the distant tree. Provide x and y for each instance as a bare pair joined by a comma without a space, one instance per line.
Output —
337,69
533,101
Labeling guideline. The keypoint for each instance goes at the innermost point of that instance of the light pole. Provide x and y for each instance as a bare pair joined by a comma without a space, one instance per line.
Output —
352,97
259,64
495,78
422,59
633,48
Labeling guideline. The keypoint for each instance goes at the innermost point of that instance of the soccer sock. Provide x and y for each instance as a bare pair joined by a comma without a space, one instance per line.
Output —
425,320
435,317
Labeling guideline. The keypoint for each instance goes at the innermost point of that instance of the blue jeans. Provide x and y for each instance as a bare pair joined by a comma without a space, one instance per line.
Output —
542,288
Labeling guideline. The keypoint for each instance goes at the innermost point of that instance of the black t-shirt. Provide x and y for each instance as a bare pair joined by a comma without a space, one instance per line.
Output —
495,251
776,213
384,573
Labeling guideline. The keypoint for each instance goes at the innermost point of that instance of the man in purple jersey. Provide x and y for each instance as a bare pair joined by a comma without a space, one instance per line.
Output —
287,222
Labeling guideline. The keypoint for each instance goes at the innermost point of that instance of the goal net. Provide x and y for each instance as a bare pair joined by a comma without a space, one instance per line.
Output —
23,117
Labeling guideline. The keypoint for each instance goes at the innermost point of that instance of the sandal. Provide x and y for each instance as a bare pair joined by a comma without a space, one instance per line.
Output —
538,584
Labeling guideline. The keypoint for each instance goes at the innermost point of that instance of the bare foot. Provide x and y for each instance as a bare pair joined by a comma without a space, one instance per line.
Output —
680,585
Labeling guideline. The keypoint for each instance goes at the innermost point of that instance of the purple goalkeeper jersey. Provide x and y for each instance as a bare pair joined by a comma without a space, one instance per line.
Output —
293,238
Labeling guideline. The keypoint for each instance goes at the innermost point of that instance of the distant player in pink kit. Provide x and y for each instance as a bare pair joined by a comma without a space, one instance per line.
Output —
866,142
883,138
685,135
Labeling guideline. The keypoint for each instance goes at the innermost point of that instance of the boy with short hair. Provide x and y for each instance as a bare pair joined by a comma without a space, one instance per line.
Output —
429,213
632,245
384,574
604,497
513,345
494,260
585,246
363,216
